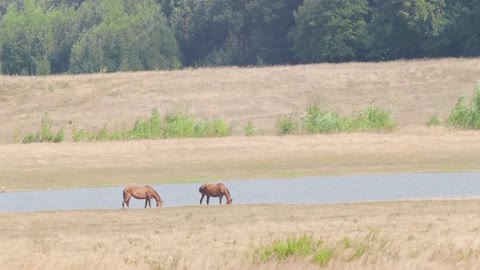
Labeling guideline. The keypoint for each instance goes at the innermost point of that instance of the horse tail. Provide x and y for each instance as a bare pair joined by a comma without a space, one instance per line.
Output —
201,188
124,195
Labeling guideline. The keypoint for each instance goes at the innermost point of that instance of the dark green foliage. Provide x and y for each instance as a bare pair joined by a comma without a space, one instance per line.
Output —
40,37
327,30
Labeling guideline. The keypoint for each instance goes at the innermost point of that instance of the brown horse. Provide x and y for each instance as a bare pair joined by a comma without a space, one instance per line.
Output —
215,190
146,192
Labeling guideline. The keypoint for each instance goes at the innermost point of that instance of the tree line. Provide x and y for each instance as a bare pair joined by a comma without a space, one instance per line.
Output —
39,37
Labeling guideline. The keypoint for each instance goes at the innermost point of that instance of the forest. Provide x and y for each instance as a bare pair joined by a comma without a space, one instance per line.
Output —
41,37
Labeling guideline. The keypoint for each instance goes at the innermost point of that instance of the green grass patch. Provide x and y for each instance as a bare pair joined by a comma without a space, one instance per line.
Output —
303,246
323,255
283,249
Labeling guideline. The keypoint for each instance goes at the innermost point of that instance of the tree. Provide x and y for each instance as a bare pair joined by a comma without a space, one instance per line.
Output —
404,28
330,30
271,22
132,35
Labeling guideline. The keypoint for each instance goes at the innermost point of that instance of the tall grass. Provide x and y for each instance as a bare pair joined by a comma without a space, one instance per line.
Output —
45,134
463,116
178,124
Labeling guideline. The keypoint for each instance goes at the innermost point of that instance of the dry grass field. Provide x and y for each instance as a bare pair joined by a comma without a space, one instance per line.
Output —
434,234
412,90
381,235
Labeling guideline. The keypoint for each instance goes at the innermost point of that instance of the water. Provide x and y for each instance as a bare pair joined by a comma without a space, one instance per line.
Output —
311,190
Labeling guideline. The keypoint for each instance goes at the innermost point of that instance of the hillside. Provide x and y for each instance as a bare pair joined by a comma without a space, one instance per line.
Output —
412,90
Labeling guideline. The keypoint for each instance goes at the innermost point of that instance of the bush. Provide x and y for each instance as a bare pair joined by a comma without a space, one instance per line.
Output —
373,119
286,125
466,117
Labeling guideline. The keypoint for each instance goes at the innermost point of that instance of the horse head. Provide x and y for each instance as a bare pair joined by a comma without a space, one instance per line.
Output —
159,203
230,201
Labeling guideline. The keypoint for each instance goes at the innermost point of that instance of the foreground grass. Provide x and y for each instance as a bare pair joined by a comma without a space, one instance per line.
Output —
71,165
381,235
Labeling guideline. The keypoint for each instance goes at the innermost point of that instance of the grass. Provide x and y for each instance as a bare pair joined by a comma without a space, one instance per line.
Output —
282,249
411,90
228,237
250,129
433,121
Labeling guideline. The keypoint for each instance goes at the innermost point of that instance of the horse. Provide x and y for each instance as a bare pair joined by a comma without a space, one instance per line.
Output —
215,190
146,192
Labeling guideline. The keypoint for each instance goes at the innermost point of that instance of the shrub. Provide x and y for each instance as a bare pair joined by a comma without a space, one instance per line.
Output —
179,125
459,115
466,117
211,128
286,125
373,119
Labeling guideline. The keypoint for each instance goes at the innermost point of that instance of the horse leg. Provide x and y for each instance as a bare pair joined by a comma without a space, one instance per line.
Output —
126,200
146,200
208,200
201,199
220,199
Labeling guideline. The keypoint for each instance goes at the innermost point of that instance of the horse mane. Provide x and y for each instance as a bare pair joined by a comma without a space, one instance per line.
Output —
159,199
227,193
155,192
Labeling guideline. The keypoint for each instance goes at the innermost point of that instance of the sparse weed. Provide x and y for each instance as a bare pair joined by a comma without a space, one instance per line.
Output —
45,134
249,129
433,121
323,255
286,125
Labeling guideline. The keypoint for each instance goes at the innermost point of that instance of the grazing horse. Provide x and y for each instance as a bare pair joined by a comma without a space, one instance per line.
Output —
215,190
146,192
